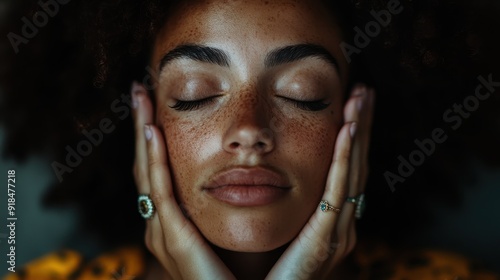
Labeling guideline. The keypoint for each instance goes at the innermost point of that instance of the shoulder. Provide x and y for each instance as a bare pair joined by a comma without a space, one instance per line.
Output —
126,263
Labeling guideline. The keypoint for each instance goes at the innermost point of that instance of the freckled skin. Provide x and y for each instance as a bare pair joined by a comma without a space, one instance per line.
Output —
198,141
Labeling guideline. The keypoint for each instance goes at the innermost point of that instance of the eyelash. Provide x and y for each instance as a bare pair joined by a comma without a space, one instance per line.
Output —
315,105
192,105
310,105
181,105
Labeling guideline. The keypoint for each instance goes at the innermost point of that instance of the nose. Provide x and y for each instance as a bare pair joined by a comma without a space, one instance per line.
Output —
249,130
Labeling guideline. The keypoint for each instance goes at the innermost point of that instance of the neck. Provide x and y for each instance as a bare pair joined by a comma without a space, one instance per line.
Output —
249,265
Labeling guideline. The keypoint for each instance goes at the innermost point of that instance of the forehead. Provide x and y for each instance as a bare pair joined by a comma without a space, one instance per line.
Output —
258,25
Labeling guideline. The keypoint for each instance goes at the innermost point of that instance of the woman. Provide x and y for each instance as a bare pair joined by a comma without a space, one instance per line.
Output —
251,141
249,96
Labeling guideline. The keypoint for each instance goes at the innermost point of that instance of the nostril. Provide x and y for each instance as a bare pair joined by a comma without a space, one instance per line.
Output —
234,145
261,145
249,140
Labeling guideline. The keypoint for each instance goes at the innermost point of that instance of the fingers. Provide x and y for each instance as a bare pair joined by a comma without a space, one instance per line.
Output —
142,114
162,193
335,191
151,164
178,230
170,236
185,244
358,109
163,229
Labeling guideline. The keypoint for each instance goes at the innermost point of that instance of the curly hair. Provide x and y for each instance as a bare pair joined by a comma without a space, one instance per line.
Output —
65,80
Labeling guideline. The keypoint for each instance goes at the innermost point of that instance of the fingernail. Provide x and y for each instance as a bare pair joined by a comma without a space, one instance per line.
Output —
352,129
359,90
360,103
134,89
147,132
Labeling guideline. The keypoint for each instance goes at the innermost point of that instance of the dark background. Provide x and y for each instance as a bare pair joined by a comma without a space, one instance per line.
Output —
451,202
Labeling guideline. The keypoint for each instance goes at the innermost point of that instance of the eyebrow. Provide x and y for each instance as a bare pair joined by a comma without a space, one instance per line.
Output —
196,52
297,52
276,57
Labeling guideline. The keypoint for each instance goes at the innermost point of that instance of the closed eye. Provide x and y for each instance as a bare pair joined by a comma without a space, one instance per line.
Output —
313,105
191,105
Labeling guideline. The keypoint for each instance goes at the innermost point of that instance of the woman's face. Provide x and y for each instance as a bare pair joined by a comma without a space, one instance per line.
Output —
249,162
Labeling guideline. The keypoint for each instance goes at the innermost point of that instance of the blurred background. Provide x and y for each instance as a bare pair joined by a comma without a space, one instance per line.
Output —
49,93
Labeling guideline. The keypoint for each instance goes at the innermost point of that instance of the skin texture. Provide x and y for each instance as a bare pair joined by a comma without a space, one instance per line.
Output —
199,142
322,154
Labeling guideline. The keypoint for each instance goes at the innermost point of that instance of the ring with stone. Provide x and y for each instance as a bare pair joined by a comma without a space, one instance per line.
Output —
325,207
146,206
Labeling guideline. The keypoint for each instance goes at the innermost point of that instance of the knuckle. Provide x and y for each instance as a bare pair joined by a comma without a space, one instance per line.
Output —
140,175
152,161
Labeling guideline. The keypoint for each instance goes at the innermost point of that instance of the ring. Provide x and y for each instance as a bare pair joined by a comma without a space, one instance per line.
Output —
146,206
359,201
325,206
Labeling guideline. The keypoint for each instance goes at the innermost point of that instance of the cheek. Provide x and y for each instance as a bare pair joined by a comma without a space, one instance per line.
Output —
187,145
190,143
194,150
307,145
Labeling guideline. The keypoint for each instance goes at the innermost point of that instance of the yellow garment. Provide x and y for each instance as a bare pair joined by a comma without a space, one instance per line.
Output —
376,262
380,262
122,264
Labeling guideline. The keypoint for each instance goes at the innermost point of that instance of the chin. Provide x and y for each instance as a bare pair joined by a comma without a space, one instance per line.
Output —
259,243
252,230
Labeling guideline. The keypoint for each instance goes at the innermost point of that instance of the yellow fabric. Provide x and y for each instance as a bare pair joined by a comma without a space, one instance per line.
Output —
380,262
56,265
375,262
122,264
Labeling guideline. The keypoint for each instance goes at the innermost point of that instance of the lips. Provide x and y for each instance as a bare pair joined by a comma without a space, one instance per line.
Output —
247,186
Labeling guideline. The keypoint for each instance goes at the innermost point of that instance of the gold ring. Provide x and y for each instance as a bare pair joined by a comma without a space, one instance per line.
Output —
325,206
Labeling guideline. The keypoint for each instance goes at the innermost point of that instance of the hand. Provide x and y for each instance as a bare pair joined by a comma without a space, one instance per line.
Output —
172,238
328,237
